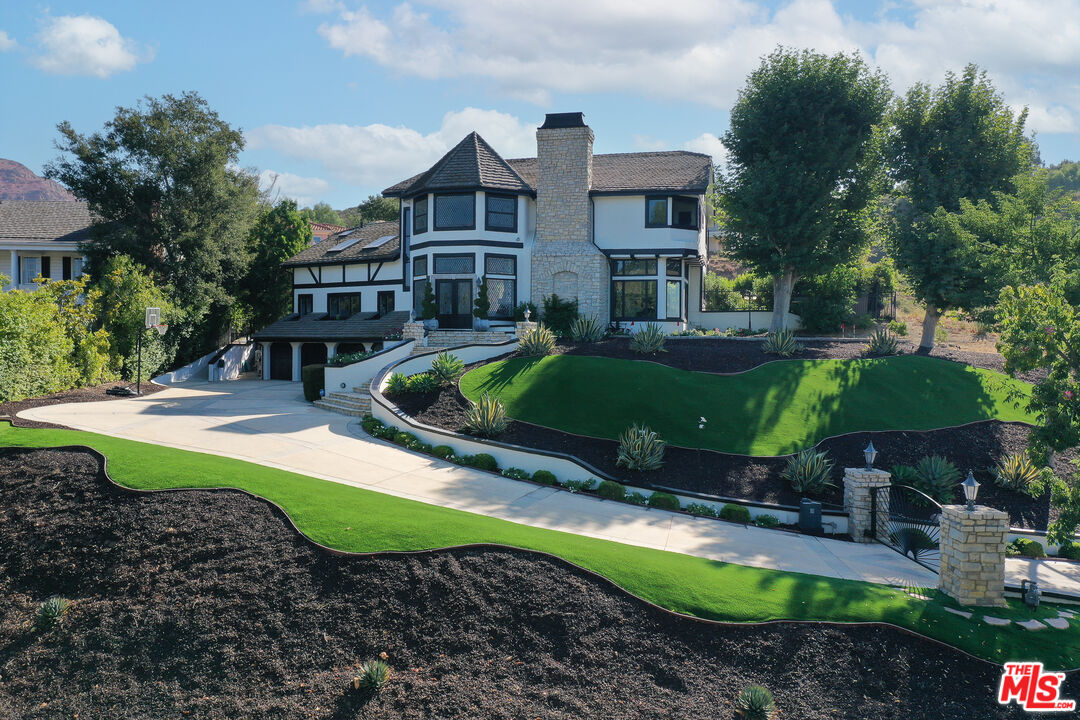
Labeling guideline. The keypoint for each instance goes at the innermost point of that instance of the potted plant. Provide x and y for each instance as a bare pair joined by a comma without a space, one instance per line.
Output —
427,308
481,307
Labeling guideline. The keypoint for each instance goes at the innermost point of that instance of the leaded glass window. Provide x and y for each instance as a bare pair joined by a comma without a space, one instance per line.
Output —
501,292
500,265
633,267
455,265
501,213
455,212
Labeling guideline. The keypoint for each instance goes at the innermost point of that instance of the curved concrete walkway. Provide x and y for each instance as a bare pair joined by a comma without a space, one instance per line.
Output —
268,422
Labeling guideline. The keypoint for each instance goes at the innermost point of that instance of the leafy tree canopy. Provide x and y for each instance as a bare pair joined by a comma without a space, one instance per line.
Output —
1065,176
322,213
802,166
280,233
162,178
374,208
126,290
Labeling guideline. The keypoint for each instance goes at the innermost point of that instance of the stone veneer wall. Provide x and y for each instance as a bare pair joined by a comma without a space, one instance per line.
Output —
973,554
859,486
564,260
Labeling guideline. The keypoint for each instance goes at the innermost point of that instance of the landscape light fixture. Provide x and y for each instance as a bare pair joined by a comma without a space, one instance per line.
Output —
527,314
971,490
750,298
870,454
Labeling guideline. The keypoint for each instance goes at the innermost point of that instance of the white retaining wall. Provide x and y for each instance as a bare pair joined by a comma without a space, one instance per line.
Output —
193,370
233,359
358,373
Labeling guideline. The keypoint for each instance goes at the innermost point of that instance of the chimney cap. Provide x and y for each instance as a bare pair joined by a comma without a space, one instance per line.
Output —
563,120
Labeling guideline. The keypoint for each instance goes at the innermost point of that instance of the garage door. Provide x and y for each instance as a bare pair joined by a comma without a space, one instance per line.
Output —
281,361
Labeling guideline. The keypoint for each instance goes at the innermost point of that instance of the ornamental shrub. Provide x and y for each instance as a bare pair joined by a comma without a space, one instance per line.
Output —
636,498
423,384
756,703
664,501
735,513
398,384
538,342
702,509
406,440
882,343
482,303
586,329
446,369
809,472
374,674
442,451
486,418
51,612
349,358
516,473
766,520
781,343
1069,550
313,378
1025,547
480,461
1016,472
558,314
611,490
579,485
370,424
896,327
937,477
904,475
519,312
428,309
648,340
640,449
545,477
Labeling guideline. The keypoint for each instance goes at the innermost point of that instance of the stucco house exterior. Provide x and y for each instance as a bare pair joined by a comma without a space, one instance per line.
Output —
41,238
624,234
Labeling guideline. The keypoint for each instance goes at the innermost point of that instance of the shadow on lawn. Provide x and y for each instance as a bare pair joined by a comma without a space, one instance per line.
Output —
505,372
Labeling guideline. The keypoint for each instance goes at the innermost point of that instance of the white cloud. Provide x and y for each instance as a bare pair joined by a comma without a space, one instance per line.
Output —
648,142
86,45
702,50
710,145
305,191
380,155
6,42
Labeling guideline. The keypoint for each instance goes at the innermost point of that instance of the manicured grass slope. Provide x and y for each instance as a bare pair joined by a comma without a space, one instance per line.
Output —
773,409
358,520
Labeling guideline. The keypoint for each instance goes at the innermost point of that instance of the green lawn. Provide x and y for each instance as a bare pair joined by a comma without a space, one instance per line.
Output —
358,520
773,409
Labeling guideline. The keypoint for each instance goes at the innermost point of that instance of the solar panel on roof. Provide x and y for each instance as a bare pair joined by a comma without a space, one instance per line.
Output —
381,241
346,244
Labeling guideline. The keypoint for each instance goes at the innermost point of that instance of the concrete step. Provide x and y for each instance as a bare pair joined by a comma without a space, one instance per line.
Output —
361,402
420,350
364,389
341,409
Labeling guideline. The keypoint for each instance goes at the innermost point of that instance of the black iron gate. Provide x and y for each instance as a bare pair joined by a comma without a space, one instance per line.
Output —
908,521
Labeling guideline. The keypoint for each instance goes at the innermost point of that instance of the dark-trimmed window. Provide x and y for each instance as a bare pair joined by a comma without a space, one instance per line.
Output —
455,265
500,271
633,267
501,213
674,267
305,304
420,215
633,299
673,301
455,211
656,212
684,213
342,305
419,266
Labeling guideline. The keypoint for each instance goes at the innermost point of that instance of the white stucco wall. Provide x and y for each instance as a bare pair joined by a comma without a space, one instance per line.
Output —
620,223
56,262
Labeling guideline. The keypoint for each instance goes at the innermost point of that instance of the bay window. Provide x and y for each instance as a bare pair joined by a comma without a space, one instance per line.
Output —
456,211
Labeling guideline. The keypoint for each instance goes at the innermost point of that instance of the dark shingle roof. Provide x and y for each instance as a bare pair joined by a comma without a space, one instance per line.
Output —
672,171
44,220
362,326
323,253
472,164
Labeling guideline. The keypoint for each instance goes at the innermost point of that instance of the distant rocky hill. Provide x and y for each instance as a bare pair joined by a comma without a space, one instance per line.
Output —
18,182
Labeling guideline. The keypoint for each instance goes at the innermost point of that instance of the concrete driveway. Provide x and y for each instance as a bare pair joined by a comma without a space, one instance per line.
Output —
268,422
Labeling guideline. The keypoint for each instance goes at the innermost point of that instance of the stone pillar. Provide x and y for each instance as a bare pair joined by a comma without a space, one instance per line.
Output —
973,555
265,360
860,485
296,360
413,330
520,328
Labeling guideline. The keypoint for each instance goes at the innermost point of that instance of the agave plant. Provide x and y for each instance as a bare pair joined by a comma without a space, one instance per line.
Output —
781,343
648,340
756,703
586,329
537,342
486,418
374,674
882,342
447,368
809,472
398,384
640,449
51,612
1015,472
937,477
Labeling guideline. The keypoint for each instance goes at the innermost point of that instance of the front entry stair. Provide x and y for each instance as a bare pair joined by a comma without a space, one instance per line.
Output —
354,404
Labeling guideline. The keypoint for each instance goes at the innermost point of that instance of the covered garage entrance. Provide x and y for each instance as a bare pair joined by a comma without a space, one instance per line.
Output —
280,361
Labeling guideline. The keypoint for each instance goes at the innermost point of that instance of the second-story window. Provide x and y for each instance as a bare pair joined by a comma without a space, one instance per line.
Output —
684,213
656,212
340,306
420,215
501,213
455,212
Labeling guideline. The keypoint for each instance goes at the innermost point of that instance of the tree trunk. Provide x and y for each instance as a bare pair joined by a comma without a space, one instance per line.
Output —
782,289
929,327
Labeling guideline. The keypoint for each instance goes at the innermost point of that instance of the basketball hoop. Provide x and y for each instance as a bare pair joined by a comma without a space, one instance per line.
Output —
161,329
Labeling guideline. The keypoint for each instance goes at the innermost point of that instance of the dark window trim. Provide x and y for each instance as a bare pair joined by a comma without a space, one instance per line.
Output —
417,230
435,206
514,300
487,212
434,256
667,210
380,294
697,212
635,278
350,283
65,268
613,261
682,291
501,255
299,299
416,263
667,270
467,243
336,296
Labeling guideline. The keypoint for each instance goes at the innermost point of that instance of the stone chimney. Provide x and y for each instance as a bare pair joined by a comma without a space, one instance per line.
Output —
565,261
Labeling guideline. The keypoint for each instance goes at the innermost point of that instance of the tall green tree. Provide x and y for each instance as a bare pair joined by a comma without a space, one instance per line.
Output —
1065,176
162,178
280,233
126,290
79,307
322,213
802,167
958,141
36,354
376,207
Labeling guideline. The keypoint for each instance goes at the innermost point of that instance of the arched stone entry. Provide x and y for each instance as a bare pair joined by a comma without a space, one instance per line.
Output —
280,361
312,354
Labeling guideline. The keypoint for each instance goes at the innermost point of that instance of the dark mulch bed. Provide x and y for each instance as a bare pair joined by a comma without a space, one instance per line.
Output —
95,393
209,605
974,447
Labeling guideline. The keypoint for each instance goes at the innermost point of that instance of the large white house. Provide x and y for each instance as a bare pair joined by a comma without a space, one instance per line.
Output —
41,238
624,234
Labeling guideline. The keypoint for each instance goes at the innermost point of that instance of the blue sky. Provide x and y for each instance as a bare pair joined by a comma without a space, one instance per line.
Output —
340,99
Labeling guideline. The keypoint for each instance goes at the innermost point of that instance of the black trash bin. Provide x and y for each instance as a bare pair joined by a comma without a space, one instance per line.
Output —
810,515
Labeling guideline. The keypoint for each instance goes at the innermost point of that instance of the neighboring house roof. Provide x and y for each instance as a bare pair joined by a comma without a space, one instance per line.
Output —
671,171
362,326
44,221
325,228
471,165
363,238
